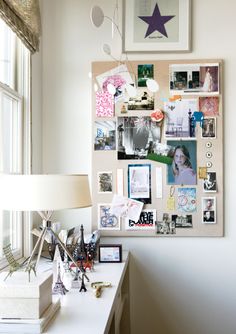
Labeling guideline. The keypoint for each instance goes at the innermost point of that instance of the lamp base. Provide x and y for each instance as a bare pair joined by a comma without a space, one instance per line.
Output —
39,244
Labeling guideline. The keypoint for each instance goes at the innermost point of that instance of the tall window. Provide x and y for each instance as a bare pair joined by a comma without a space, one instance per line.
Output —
14,128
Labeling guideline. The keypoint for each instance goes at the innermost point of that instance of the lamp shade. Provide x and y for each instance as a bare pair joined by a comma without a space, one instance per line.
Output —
43,192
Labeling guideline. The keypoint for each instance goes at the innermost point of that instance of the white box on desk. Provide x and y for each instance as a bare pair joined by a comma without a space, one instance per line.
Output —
22,299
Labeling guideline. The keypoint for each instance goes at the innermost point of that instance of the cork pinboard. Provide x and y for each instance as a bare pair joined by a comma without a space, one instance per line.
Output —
180,81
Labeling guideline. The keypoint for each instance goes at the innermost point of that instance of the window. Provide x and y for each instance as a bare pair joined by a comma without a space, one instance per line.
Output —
14,131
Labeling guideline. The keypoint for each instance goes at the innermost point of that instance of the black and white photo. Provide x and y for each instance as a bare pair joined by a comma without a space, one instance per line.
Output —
209,209
137,136
209,217
209,184
104,182
209,127
184,221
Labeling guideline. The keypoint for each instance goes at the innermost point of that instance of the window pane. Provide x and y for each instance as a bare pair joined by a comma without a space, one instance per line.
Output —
7,54
11,157
11,128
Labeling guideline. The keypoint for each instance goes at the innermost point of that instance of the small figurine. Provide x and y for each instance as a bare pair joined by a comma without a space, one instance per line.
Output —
83,288
14,265
59,287
123,109
98,286
75,282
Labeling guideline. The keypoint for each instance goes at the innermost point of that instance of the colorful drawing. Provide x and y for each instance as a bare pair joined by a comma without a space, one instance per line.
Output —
187,199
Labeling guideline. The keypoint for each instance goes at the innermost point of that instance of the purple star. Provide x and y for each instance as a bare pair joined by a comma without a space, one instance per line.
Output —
156,22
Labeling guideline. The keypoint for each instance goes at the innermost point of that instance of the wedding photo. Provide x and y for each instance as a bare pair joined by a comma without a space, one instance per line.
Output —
194,79
209,128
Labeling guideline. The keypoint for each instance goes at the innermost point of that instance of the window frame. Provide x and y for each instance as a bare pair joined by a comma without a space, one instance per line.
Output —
22,72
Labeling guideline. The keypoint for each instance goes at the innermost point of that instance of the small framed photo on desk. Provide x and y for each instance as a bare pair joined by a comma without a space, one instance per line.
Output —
110,253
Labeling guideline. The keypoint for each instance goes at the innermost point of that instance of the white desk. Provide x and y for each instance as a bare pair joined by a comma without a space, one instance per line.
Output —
82,312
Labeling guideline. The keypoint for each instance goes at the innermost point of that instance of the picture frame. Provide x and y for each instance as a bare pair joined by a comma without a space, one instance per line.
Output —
110,253
171,36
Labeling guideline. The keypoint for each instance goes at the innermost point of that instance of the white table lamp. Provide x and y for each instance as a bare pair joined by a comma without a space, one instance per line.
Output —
44,194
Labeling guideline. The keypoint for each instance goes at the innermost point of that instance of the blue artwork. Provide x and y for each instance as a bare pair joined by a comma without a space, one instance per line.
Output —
197,117
187,200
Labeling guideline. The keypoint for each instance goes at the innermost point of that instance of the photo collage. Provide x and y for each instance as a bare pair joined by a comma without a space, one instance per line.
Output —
158,151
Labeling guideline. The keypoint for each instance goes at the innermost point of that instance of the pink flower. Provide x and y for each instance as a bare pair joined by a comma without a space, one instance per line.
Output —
157,116
116,80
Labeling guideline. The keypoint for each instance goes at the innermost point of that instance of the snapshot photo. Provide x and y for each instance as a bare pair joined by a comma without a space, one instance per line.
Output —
209,217
166,226
209,184
162,153
194,79
179,118
137,136
209,128
209,78
144,100
105,135
208,203
209,105
104,182
145,72
183,169
106,219
184,221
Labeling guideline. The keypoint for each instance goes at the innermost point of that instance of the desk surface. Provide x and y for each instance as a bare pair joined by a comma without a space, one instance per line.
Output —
82,312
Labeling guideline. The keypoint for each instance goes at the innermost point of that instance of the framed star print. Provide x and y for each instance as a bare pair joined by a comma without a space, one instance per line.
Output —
156,25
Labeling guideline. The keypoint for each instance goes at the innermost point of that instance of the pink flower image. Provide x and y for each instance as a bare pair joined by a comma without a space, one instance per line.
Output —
116,80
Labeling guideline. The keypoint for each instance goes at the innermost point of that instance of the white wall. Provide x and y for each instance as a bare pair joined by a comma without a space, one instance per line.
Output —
179,285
